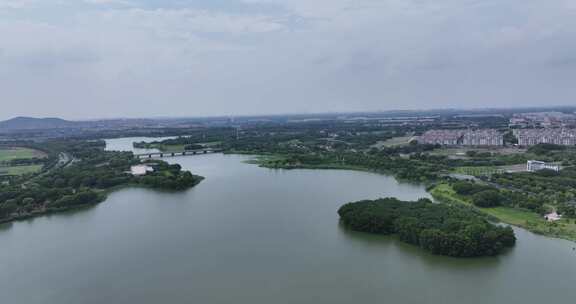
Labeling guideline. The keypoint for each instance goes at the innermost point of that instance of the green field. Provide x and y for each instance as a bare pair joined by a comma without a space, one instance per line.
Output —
489,170
479,171
20,170
8,154
565,228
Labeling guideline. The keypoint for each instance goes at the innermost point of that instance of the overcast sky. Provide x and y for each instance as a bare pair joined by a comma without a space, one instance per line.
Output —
127,58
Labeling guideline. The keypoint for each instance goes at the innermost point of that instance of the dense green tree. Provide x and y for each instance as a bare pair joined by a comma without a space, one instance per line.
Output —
487,198
438,228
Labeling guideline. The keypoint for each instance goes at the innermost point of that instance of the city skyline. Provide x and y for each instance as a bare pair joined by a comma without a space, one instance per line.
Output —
519,110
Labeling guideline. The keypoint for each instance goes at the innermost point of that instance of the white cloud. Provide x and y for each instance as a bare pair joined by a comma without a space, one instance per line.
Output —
191,21
311,56
14,4
124,3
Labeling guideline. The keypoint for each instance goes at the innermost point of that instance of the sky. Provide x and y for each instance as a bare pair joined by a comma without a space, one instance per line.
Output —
81,59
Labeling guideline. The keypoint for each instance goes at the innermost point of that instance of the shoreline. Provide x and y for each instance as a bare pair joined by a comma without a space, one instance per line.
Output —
103,193
510,216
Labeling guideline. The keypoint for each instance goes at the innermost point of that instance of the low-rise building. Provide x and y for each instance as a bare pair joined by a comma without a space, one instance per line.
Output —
534,165
553,217
139,170
559,136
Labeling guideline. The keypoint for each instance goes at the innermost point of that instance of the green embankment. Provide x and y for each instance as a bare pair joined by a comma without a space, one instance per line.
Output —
564,229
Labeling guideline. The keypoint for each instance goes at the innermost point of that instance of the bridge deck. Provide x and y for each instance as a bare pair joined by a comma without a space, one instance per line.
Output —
178,153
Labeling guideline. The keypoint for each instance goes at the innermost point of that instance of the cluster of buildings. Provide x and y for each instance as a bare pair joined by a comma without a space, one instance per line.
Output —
543,119
560,136
483,137
441,137
491,137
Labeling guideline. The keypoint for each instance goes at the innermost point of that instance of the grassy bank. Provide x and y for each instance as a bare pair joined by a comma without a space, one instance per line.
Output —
564,229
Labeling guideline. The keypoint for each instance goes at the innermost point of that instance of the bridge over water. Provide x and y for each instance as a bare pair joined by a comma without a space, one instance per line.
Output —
178,153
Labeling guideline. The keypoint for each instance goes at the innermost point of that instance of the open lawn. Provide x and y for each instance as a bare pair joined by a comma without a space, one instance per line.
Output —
513,216
8,154
490,170
20,170
478,171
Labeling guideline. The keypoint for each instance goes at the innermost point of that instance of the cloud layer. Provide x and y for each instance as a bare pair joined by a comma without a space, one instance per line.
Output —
111,58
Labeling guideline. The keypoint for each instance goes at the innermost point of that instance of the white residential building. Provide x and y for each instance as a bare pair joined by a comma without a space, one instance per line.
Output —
530,137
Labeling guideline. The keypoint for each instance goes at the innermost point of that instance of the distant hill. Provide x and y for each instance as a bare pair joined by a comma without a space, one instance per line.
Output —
30,123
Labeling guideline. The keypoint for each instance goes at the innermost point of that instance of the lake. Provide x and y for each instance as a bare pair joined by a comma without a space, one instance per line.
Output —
253,235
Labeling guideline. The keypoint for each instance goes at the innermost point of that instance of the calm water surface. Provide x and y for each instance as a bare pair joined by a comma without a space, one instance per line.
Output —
253,235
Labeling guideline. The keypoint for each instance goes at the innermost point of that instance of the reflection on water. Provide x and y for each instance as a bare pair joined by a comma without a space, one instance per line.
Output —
378,243
6,226
76,212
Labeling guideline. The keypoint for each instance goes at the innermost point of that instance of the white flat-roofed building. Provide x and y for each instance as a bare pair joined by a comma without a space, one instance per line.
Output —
139,170
534,165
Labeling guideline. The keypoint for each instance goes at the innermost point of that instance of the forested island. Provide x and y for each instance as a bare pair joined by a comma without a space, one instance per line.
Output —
79,173
438,228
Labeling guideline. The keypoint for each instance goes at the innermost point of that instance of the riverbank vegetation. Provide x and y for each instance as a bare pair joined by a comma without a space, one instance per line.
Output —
438,228
82,176
515,208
